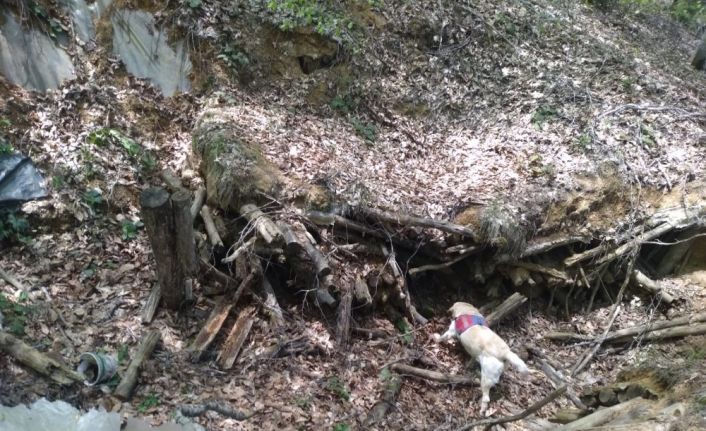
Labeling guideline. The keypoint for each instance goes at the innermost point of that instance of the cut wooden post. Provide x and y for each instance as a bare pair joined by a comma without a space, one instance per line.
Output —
210,329
169,226
37,361
129,380
296,244
237,336
343,322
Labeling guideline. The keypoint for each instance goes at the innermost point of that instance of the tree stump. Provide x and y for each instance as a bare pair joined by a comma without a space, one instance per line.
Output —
170,229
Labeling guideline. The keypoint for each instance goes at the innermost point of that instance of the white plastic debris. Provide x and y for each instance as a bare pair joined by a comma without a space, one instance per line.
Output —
44,415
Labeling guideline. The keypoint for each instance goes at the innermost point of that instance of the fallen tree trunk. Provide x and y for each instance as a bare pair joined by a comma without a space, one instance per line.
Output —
265,227
34,359
392,384
651,286
409,220
607,415
237,336
509,305
210,329
129,380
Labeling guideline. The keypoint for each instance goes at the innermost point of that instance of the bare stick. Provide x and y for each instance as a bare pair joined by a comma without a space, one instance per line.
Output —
630,245
434,376
534,248
439,266
556,393
213,236
392,385
129,381
651,286
199,200
246,246
544,270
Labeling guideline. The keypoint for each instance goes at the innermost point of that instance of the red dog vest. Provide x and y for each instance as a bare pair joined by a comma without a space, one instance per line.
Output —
465,321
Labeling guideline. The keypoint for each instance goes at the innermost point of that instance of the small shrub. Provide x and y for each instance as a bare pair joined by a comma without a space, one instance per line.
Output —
367,131
406,331
152,400
6,148
338,387
233,57
543,114
129,229
16,314
93,199
13,227
341,427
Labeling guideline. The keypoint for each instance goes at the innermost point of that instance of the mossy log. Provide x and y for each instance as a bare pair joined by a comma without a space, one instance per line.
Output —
34,359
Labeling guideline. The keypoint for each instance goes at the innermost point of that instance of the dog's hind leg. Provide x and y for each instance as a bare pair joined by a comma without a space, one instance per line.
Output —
490,371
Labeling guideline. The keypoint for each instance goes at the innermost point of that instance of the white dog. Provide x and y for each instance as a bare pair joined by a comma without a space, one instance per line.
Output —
483,344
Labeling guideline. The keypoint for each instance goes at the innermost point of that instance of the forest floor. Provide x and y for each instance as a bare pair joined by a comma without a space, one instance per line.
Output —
581,95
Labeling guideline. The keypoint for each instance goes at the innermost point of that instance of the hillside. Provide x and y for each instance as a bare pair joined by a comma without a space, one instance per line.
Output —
537,147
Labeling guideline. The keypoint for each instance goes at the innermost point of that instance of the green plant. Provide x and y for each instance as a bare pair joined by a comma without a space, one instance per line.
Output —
193,4
129,229
647,136
5,123
233,57
324,16
123,354
403,327
543,114
303,402
107,136
338,387
57,182
627,84
6,148
583,142
341,427
93,199
15,314
150,401
367,131
13,227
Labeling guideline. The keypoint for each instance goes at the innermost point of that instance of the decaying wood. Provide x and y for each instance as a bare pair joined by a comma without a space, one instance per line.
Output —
159,219
392,384
184,232
216,274
210,328
192,410
556,393
563,416
509,305
434,376
676,332
265,227
34,359
237,336
605,416
361,292
150,306
199,200
630,245
628,334
173,183
12,281
534,267
213,236
297,241
271,305
129,380
343,322
651,286
534,248
409,220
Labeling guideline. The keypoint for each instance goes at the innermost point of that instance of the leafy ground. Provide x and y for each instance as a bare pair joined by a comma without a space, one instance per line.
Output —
437,106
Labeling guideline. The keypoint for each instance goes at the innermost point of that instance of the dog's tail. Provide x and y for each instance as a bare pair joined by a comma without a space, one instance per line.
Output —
517,362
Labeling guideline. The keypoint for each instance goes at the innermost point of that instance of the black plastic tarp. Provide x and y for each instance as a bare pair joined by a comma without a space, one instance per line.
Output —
20,181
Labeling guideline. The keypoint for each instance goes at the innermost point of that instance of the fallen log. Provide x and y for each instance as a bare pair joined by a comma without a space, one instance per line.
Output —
556,378
444,265
409,220
129,380
534,248
651,286
296,244
556,393
434,376
392,384
34,359
192,410
361,292
509,305
607,415
677,331
237,336
628,334
271,305
534,267
265,227
213,236
210,329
